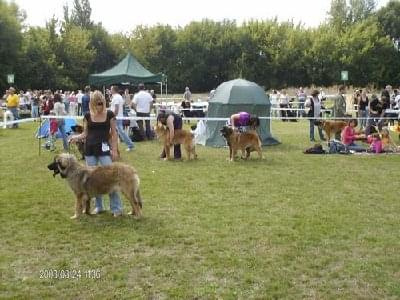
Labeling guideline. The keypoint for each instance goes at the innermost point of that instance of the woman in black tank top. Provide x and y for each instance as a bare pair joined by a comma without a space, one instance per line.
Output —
100,136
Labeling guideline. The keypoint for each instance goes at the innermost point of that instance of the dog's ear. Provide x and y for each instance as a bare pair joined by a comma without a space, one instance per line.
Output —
65,160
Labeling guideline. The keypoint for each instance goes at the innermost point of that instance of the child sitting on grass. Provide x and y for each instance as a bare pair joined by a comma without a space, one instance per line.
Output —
376,143
387,143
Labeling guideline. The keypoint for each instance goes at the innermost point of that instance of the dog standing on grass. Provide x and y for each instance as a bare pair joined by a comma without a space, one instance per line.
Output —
331,127
181,136
87,182
245,141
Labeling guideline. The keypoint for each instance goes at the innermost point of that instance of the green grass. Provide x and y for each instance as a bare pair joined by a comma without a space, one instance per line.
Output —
290,226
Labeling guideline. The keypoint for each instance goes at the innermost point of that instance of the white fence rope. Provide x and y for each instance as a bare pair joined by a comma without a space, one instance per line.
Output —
153,117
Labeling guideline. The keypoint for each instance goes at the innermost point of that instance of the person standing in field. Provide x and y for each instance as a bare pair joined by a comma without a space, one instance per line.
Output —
314,114
35,105
142,104
59,110
79,102
187,95
101,143
339,106
85,101
13,104
362,107
302,97
117,107
284,105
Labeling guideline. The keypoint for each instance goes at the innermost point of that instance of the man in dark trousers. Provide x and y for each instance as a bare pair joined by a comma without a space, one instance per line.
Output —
142,103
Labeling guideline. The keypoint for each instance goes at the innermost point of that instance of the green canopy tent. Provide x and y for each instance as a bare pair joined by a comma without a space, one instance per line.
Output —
235,96
127,71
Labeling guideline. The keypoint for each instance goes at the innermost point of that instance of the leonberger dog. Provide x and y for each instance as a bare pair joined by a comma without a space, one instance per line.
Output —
331,127
245,141
181,136
88,182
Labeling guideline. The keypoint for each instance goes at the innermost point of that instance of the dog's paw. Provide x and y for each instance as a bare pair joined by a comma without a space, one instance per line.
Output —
135,216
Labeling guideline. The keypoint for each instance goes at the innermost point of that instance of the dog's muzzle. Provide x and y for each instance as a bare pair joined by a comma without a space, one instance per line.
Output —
55,167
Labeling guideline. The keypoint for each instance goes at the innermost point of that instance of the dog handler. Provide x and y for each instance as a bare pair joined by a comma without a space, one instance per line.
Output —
314,106
100,136
172,121
243,119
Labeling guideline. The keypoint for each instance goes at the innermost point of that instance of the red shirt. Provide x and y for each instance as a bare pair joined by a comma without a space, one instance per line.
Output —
348,135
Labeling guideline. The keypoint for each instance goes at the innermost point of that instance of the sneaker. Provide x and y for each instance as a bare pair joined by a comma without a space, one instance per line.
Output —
117,214
97,211
129,149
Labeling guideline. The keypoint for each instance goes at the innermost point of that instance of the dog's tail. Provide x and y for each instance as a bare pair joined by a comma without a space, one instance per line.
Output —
139,198
137,190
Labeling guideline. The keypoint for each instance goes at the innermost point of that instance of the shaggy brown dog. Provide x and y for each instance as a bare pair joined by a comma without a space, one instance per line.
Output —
87,182
331,127
181,136
245,141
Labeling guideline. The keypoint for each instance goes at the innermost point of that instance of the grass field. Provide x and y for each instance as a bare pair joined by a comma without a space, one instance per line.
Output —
290,226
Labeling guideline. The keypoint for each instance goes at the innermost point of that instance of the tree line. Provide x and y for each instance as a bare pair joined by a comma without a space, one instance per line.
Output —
355,37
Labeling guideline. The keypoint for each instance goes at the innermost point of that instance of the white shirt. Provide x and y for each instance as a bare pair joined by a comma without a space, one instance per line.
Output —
321,95
284,99
79,97
397,101
117,100
143,101
59,109
274,99
317,106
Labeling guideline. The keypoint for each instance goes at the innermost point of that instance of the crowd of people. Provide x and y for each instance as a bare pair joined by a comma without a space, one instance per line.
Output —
77,103
372,110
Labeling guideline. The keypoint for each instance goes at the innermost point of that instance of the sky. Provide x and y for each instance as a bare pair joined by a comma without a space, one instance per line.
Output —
125,15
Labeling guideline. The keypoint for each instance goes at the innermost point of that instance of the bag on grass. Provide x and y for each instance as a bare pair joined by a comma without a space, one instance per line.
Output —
316,149
136,135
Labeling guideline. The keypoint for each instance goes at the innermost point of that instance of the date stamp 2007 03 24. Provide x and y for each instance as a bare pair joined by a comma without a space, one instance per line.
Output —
70,274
